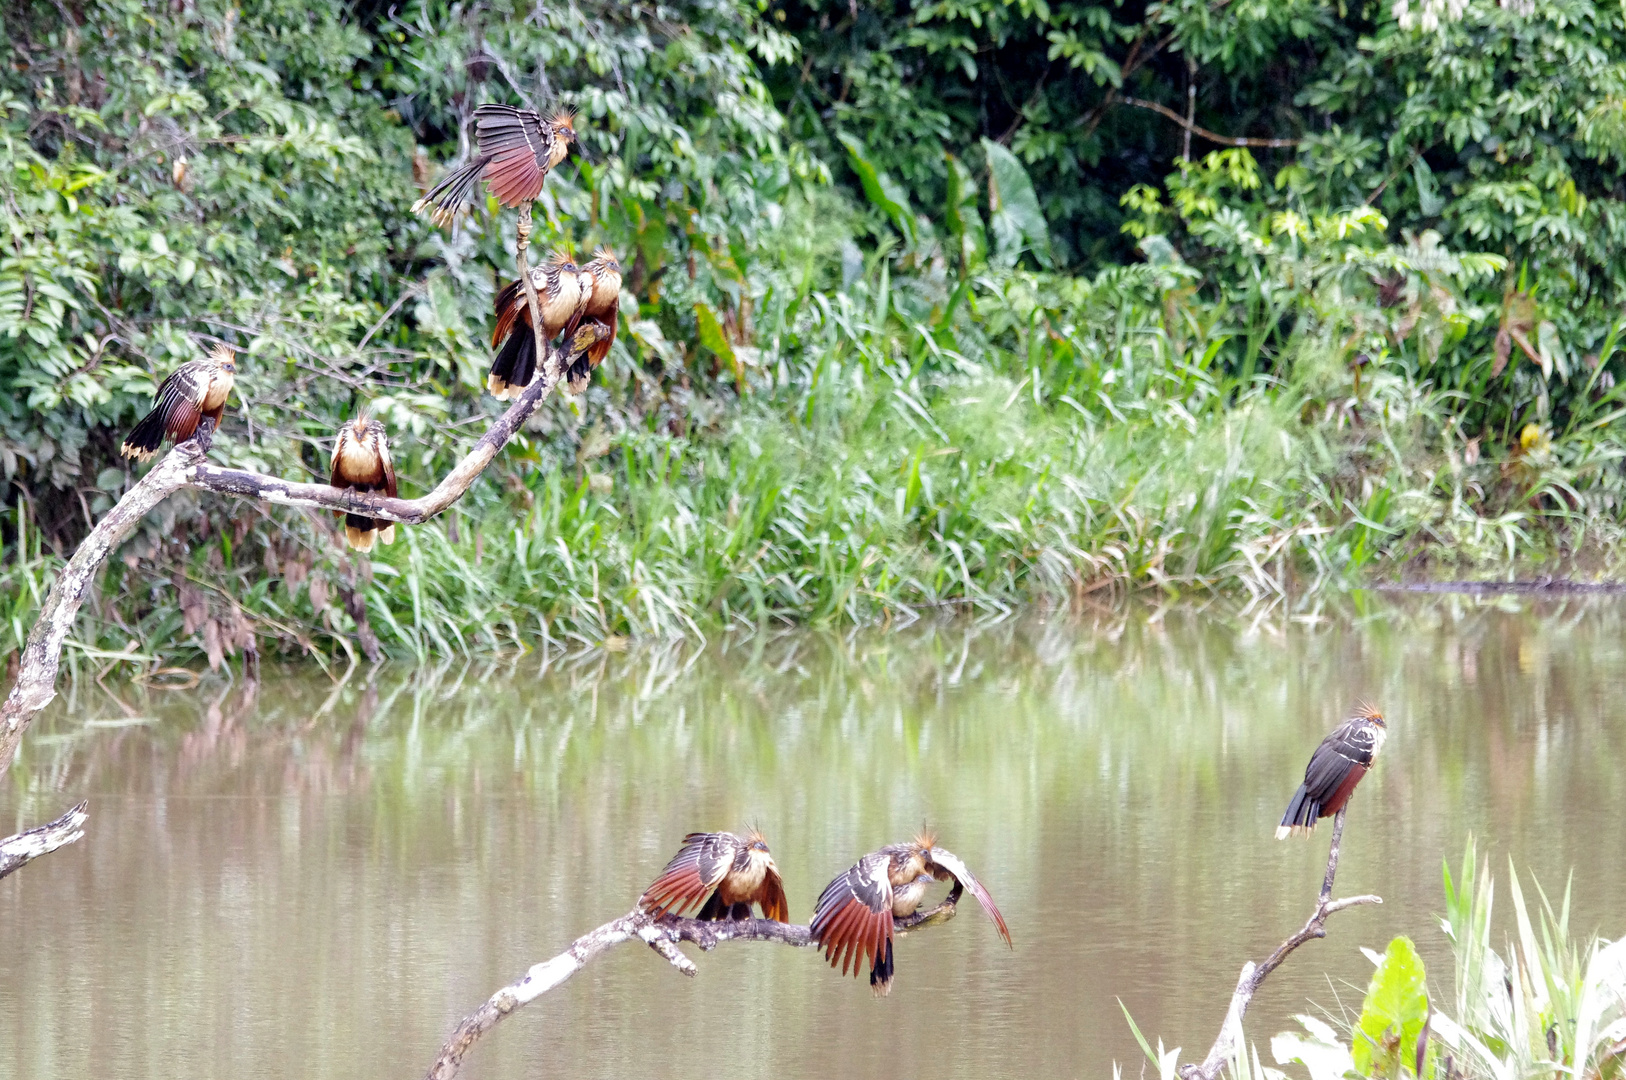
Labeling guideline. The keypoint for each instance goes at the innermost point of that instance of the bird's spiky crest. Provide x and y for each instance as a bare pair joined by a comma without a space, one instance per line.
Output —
753,835
606,254
1365,710
560,257
221,353
565,118
926,839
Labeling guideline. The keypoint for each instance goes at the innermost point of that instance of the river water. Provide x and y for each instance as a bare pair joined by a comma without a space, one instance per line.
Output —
306,880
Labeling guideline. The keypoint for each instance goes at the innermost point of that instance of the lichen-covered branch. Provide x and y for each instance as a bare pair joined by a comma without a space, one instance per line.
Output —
1229,1041
17,851
660,934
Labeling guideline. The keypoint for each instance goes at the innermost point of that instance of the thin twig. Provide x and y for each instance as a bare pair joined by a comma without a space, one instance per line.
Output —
1194,129
660,934
1230,1035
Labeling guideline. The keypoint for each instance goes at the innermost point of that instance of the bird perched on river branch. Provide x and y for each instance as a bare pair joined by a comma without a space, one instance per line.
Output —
361,462
1335,768
852,921
196,389
721,874
560,298
517,149
603,307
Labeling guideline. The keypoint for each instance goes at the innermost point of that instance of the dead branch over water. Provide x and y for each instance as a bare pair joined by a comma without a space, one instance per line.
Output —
660,934
22,849
184,467
1229,1041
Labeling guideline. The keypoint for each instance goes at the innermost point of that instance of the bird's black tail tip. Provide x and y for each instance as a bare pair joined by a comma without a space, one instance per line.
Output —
514,366
880,977
145,438
1300,816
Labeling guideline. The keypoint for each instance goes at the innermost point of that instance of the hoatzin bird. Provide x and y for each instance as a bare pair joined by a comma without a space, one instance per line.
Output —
852,921
721,874
517,149
1335,768
196,389
559,297
361,462
603,306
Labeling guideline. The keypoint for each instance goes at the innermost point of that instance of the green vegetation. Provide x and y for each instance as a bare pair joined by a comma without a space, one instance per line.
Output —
922,310
1545,1005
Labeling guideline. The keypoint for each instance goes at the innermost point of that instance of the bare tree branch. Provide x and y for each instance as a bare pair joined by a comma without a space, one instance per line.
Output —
1202,132
185,467
17,851
661,935
1230,1036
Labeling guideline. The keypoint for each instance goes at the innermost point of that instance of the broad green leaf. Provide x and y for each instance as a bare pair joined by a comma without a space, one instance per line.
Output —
885,193
711,333
1013,207
1393,1014
963,217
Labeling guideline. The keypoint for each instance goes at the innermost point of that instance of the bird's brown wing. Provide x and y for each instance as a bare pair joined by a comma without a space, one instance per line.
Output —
180,399
945,865
518,147
692,874
772,897
385,461
852,921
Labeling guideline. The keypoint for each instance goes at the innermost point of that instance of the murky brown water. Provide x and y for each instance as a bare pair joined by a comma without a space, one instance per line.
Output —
308,883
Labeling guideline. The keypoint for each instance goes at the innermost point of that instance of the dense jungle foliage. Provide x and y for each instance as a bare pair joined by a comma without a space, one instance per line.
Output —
955,303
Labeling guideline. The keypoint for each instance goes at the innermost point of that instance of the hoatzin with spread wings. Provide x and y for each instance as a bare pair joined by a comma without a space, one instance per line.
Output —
1335,768
361,462
196,389
517,150
560,299
721,874
852,921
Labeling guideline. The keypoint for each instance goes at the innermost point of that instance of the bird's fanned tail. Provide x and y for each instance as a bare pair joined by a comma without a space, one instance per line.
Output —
1301,815
145,438
515,365
453,193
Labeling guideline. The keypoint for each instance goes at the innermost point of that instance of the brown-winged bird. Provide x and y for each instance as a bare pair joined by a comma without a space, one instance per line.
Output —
721,874
603,306
852,921
1335,768
361,462
196,389
517,149
559,297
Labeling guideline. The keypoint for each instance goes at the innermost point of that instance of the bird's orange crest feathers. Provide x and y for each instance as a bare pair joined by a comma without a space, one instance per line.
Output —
565,118
753,835
221,353
1365,710
606,254
560,257
926,839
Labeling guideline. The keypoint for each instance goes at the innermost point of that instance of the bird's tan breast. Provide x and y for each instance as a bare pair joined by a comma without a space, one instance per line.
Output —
740,885
217,390
359,462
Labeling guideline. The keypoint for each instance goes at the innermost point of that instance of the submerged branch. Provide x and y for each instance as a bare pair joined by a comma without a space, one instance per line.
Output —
1229,1041
660,934
22,849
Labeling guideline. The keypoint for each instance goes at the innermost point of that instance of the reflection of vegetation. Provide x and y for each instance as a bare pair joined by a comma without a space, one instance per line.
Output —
1117,775
941,383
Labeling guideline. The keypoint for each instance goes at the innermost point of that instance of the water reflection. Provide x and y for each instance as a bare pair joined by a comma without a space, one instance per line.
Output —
299,880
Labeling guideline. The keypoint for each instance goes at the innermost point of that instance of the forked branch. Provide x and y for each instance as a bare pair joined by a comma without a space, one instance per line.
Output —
660,934
1229,1041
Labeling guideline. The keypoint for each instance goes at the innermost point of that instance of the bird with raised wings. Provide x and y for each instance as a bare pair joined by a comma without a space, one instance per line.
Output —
361,462
196,389
722,875
603,306
853,920
559,298
517,149
1335,769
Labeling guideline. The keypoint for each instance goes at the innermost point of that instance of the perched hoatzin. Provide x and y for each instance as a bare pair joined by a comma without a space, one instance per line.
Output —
1335,768
603,307
721,874
196,389
559,296
361,461
852,921
517,149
